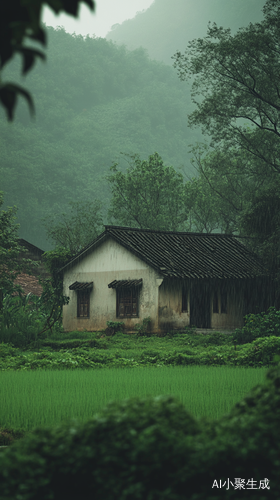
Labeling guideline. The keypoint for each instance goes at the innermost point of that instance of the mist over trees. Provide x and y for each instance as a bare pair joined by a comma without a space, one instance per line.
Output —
93,100
166,27
236,89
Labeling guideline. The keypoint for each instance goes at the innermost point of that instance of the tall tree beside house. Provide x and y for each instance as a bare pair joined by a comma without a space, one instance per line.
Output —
52,296
223,189
262,219
76,228
236,86
236,89
148,195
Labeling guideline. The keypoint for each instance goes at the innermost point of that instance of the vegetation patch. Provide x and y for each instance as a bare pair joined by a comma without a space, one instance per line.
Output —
152,449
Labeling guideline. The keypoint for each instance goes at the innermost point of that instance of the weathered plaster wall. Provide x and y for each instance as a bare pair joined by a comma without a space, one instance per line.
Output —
110,261
234,316
171,316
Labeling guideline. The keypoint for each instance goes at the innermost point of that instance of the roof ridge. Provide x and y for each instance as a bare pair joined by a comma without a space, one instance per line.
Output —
169,232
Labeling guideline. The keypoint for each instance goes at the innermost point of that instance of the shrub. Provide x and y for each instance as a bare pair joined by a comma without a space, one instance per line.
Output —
114,327
144,328
20,320
258,325
151,449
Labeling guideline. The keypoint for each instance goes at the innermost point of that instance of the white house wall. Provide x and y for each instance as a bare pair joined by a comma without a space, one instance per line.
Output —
110,261
171,316
233,318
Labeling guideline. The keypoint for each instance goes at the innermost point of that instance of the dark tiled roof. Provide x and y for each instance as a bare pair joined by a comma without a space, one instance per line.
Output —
81,286
183,255
125,283
32,248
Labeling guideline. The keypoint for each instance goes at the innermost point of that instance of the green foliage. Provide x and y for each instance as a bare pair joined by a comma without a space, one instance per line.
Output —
149,195
20,20
125,102
151,448
9,436
262,221
10,266
144,328
238,77
115,326
23,319
77,228
258,325
222,191
122,350
52,297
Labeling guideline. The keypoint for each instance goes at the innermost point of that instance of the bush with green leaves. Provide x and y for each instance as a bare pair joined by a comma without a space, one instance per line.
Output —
152,449
114,327
21,319
264,324
144,328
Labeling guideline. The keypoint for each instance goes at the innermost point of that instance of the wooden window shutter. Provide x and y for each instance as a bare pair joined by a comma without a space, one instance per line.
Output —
127,302
83,303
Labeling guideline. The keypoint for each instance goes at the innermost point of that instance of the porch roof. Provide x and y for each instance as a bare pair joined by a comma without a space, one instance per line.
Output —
81,286
125,283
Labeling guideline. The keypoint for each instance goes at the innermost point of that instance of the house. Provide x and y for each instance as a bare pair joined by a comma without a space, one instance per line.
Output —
176,279
30,282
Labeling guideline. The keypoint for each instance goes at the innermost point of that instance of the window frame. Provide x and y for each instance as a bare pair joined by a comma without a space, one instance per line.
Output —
83,299
122,298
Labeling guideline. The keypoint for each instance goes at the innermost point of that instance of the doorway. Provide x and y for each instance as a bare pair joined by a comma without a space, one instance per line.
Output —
200,299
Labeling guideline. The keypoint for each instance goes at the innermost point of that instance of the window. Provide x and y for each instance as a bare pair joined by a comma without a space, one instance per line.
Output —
83,303
185,297
127,302
215,302
224,302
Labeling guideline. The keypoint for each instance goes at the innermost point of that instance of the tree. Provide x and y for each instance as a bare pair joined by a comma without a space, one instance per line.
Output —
10,264
21,19
77,228
222,190
149,195
262,220
236,86
52,297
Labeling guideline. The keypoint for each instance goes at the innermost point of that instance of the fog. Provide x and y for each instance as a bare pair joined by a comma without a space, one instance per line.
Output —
107,13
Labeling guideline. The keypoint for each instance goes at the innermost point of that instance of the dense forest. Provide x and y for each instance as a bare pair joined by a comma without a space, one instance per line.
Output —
96,100
164,28
93,100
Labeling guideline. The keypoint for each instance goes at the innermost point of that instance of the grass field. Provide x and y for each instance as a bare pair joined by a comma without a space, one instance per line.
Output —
38,398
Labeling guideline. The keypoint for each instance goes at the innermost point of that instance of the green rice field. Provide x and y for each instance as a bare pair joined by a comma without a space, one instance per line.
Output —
42,398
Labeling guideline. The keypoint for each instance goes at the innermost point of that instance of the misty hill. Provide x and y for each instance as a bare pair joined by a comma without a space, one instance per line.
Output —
166,27
93,100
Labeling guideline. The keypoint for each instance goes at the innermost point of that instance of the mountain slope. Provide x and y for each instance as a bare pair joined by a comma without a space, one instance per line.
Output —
166,27
93,100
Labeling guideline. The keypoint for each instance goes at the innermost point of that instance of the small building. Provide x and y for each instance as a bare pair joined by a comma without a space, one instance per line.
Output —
177,279
30,282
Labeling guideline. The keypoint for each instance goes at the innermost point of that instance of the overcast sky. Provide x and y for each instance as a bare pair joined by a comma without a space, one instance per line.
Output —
107,13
